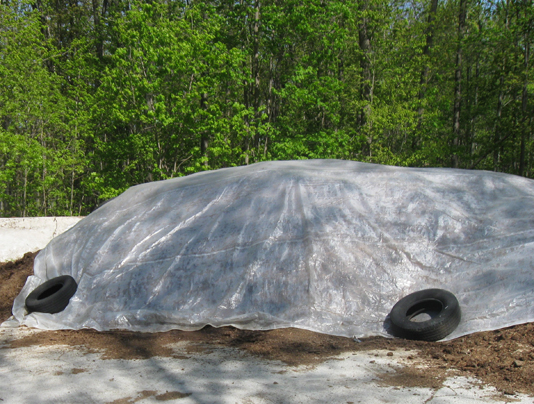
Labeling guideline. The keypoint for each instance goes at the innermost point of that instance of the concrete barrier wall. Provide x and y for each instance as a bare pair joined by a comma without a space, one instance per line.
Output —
20,235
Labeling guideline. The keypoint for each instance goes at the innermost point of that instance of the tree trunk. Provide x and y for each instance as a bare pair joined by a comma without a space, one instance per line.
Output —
204,141
25,193
45,171
97,27
71,203
246,100
500,103
472,124
524,99
426,56
256,101
366,90
458,86
497,126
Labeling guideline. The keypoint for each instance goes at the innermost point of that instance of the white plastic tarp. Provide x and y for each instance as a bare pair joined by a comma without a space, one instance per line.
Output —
324,245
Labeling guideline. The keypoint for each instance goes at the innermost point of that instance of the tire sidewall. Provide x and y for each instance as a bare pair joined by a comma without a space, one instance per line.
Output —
404,327
56,301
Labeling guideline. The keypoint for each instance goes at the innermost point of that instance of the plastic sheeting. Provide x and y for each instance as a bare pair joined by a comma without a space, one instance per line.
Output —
324,245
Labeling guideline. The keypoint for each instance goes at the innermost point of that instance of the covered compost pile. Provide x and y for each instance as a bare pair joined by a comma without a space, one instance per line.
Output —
324,245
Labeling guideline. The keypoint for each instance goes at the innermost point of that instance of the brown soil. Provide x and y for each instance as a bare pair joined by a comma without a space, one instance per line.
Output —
13,276
502,358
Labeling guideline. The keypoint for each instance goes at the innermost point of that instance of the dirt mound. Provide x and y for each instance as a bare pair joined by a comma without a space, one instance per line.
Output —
503,358
13,276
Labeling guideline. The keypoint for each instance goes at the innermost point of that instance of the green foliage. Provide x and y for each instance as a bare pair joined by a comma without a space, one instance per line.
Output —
98,96
36,146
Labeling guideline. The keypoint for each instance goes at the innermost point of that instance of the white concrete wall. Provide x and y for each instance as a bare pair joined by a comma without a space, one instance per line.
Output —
21,235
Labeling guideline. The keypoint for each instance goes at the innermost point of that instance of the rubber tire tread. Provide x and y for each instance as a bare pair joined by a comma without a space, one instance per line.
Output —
55,302
434,329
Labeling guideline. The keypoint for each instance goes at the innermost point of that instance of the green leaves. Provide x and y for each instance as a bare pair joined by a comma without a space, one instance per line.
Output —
35,142
98,96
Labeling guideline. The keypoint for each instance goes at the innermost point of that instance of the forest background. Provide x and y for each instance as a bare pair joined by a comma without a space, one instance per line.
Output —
100,95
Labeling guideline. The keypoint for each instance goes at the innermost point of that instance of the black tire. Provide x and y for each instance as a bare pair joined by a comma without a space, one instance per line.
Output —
441,305
52,296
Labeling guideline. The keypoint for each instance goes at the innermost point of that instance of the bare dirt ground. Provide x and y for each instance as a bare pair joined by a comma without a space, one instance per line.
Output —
502,358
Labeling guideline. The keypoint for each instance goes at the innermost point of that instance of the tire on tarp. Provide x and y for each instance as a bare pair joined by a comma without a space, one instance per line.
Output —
52,296
442,307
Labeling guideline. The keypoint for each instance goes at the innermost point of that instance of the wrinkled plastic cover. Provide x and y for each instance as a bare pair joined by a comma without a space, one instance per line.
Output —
324,245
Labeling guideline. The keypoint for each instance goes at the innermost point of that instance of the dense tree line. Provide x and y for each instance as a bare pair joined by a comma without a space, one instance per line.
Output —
99,95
